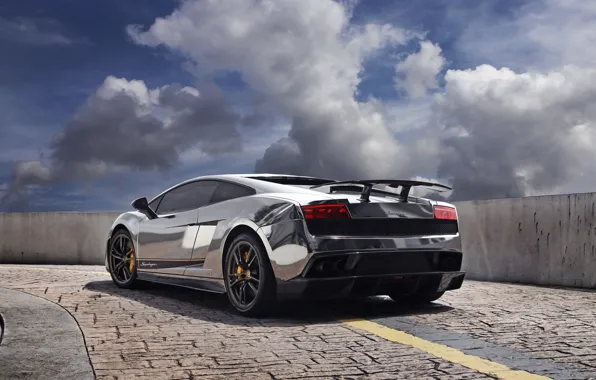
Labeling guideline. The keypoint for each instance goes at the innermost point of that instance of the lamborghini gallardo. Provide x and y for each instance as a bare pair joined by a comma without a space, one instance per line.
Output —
262,238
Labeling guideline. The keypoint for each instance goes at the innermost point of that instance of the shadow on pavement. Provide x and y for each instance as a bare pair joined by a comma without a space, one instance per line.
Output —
212,307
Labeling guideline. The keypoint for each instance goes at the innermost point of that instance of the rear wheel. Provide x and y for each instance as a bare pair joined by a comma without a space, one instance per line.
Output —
122,260
250,282
420,298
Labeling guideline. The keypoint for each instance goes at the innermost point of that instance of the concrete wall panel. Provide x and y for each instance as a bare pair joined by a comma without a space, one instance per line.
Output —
54,237
548,240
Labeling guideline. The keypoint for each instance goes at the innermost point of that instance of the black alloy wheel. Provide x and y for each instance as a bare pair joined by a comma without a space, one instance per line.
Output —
122,259
250,283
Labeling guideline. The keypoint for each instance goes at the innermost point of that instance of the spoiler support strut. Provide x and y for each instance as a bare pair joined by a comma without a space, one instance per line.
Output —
403,195
365,193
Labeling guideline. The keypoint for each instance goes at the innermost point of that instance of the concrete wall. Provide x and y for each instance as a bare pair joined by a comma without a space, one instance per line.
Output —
547,240
54,237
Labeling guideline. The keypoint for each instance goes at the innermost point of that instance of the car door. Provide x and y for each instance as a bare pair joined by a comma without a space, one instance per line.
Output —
166,243
208,218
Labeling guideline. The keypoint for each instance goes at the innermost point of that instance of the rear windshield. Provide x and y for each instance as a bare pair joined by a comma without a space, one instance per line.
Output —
305,182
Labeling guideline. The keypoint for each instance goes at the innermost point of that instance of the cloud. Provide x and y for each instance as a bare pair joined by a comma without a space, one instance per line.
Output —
305,58
125,125
563,29
540,34
518,122
418,72
34,31
505,134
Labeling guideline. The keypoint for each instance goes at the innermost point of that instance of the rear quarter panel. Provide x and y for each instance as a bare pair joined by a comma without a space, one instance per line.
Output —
256,212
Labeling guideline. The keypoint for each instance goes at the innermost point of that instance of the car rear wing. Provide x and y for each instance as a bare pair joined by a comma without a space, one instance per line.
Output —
405,184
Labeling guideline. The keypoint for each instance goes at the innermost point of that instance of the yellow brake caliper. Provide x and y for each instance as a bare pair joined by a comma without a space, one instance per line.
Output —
239,270
131,263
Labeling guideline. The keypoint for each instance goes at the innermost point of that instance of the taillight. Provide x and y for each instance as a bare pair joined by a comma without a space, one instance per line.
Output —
445,212
326,211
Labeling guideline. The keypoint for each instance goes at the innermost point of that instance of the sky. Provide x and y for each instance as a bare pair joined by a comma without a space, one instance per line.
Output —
102,102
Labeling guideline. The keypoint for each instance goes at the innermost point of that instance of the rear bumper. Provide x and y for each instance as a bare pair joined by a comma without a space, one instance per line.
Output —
344,287
381,263
292,248
379,272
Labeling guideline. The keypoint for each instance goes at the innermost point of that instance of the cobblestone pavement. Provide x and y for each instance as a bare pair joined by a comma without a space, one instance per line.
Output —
165,332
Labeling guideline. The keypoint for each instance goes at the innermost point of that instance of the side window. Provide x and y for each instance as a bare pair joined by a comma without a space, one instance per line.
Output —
187,197
155,203
226,190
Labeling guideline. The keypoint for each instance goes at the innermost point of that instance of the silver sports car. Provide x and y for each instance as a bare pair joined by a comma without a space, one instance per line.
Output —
260,238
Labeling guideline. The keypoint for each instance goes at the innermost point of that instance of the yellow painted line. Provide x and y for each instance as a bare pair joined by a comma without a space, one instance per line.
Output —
450,354
51,269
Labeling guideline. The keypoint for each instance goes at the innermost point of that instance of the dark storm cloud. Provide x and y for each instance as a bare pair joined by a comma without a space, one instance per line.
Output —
477,176
128,126
283,156
111,131
121,130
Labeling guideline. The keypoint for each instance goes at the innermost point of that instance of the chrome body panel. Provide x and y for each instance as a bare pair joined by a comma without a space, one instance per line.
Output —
217,221
188,250
169,239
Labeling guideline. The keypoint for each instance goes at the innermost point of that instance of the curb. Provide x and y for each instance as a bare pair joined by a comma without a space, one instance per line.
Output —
41,339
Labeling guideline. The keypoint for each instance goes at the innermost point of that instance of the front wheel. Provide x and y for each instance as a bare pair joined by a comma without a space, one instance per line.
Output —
122,260
250,282
421,298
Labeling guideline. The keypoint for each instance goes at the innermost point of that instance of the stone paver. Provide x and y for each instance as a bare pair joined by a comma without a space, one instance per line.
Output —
161,332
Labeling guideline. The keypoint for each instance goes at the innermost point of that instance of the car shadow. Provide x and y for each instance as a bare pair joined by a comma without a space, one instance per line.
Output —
212,307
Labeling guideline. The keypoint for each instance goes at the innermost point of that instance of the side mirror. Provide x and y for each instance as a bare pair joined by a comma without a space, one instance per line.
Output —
142,206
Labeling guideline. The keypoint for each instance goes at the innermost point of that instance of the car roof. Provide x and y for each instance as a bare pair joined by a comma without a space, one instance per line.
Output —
267,175
253,180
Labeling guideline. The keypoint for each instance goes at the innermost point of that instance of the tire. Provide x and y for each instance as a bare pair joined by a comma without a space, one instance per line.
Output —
421,298
253,272
122,271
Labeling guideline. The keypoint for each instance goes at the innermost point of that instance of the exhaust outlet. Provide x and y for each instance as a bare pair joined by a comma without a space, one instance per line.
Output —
323,266
331,267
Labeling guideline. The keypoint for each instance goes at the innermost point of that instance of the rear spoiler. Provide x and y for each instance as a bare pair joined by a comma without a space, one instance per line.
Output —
368,185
